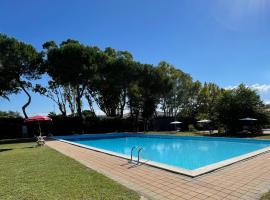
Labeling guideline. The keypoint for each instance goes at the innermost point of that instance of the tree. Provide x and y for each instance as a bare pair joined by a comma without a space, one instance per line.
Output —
144,92
150,84
19,64
167,100
56,93
73,64
61,94
189,104
134,96
176,89
70,94
207,98
9,114
110,86
238,103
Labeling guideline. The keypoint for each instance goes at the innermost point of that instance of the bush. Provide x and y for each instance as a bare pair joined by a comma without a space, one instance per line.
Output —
240,103
191,128
10,128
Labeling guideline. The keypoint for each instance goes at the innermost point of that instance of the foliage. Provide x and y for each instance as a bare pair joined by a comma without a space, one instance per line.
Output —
175,89
191,128
88,114
238,103
52,114
144,92
55,92
19,64
206,101
111,82
73,64
115,82
9,114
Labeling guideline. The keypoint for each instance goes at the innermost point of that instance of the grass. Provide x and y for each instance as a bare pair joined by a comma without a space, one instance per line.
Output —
42,173
265,196
184,133
187,133
265,136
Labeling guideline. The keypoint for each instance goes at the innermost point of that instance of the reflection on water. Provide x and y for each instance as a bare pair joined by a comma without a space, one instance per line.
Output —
203,148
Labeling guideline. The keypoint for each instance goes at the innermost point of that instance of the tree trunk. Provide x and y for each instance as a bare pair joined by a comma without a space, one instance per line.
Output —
144,125
62,109
78,102
123,104
28,101
137,121
90,103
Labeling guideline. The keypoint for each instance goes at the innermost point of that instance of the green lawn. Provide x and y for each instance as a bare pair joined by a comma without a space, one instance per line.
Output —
264,136
42,173
266,196
184,133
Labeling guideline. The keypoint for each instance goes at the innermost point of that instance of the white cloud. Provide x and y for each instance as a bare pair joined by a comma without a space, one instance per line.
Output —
230,87
262,89
267,101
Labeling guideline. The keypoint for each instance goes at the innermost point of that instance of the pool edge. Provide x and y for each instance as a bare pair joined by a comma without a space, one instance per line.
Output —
191,173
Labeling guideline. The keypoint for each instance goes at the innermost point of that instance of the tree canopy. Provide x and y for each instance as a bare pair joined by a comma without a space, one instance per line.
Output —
19,64
73,64
116,83
238,103
9,114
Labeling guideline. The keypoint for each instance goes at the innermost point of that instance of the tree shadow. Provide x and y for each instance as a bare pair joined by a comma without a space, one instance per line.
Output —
28,147
2,150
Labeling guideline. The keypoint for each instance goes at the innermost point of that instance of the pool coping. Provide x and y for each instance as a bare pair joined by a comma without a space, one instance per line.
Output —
183,171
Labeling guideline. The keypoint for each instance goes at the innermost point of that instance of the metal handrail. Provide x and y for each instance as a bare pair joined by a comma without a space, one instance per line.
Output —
140,149
131,153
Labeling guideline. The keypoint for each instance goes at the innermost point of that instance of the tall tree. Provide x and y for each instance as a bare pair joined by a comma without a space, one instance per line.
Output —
189,108
175,89
207,98
73,64
150,84
238,103
110,87
144,92
56,93
61,94
19,64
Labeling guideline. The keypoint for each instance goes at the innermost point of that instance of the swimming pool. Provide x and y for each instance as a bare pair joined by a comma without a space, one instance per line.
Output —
184,154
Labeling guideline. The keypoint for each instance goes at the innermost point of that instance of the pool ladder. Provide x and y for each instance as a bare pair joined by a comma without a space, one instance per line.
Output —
131,154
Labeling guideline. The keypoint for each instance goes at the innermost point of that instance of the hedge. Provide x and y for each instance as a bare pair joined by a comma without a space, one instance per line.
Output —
11,128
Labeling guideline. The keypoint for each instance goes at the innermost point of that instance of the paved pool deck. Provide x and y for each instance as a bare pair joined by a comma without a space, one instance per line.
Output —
247,179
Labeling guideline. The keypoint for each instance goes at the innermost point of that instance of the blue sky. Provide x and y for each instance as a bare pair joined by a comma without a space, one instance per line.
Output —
222,41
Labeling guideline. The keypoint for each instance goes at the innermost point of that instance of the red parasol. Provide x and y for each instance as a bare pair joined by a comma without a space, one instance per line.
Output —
38,118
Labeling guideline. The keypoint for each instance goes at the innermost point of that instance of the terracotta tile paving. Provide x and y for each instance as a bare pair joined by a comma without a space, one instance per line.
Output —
244,180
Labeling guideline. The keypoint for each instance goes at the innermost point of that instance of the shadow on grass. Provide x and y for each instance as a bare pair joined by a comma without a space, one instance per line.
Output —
28,147
2,150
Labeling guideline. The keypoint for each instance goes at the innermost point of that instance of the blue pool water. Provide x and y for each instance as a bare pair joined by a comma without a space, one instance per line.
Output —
185,152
